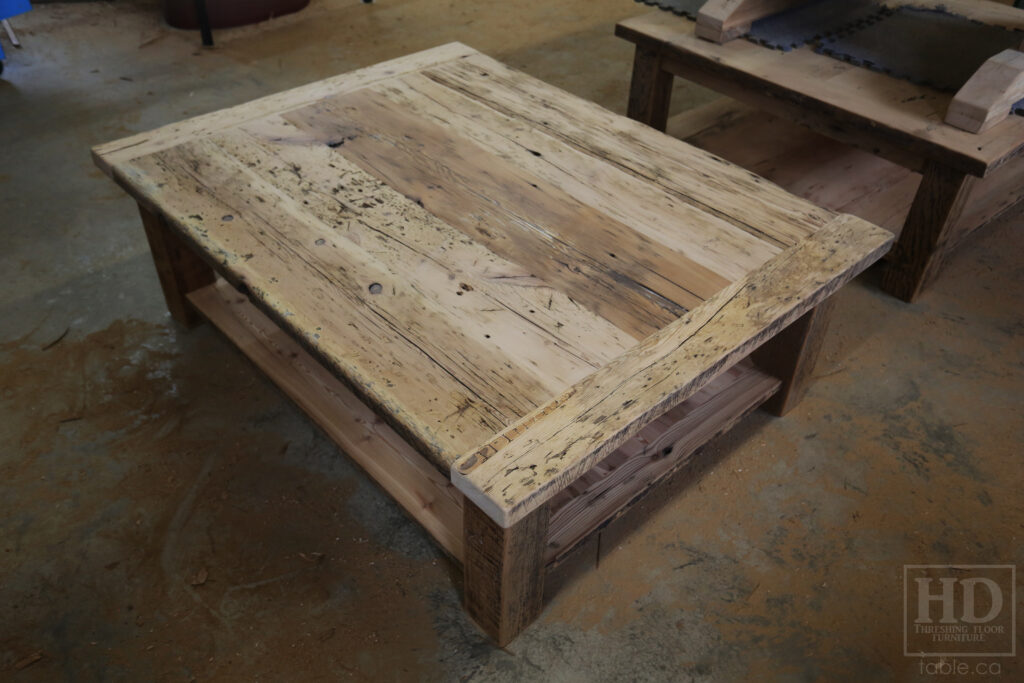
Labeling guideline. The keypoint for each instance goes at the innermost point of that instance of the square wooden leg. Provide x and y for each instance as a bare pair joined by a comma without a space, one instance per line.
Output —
504,571
930,231
792,354
179,269
650,89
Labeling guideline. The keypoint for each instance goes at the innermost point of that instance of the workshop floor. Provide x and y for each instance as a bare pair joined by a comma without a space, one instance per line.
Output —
165,514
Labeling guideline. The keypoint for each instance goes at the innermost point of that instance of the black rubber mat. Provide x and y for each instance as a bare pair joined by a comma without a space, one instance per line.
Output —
684,8
814,21
928,47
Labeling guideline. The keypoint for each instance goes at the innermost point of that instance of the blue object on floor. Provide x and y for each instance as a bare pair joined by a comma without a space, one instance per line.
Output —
10,8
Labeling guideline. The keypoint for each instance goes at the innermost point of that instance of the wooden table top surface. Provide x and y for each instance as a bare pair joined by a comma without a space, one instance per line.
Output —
457,241
899,112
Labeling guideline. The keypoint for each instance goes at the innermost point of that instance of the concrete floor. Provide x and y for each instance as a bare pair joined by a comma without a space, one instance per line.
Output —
165,514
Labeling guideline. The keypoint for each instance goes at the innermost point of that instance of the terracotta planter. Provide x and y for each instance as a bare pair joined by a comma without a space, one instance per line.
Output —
228,13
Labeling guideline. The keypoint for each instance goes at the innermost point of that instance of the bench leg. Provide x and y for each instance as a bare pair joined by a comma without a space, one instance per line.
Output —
179,269
650,90
504,571
928,233
792,354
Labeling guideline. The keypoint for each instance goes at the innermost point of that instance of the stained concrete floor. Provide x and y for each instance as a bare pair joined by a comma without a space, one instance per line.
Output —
165,514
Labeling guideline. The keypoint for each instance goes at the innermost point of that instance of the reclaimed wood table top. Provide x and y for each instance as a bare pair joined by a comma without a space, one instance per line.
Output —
466,246
902,120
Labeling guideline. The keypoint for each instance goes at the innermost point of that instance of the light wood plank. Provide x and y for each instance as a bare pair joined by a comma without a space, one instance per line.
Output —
710,241
987,97
723,20
526,465
422,490
513,214
725,191
109,155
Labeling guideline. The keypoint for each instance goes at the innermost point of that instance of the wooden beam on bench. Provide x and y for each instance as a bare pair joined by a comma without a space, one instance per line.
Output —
987,97
529,463
722,20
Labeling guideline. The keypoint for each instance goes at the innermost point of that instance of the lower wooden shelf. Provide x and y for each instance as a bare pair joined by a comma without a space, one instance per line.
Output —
829,173
426,494
613,485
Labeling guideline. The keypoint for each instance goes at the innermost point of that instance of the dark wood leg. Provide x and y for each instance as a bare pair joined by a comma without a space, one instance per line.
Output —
650,89
504,571
792,354
929,231
179,269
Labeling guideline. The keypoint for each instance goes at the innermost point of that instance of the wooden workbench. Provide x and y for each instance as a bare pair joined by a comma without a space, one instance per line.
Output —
516,310
863,109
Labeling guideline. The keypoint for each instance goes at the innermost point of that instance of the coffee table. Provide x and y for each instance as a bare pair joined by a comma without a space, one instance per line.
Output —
965,178
515,310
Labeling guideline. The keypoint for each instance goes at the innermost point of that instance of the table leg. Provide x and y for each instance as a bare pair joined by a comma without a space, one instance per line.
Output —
504,571
792,354
179,269
929,232
650,89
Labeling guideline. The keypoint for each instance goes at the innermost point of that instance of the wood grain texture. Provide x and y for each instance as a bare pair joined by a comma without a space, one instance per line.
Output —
650,89
986,99
422,491
514,214
504,572
655,212
179,269
611,487
109,155
876,112
527,464
792,354
724,191
932,228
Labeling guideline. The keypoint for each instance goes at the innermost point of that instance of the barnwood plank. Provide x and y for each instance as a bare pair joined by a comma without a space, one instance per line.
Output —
714,243
987,97
724,20
179,269
526,465
109,155
420,488
512,213
733,194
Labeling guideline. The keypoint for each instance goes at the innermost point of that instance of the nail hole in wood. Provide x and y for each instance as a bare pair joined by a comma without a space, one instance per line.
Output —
376,288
